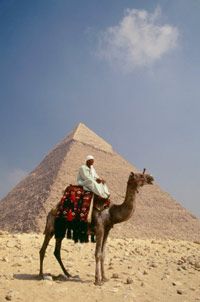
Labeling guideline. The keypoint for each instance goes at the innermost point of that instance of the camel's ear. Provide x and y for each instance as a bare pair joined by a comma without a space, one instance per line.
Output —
144,170
132,174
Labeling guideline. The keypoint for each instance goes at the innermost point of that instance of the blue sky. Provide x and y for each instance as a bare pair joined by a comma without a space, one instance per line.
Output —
127,69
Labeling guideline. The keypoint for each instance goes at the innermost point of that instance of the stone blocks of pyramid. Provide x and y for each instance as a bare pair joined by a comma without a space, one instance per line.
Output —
157,214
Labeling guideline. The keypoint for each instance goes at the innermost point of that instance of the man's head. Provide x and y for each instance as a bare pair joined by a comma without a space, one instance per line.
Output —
89,160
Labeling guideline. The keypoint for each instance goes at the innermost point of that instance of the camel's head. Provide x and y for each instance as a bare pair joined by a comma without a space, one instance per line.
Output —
140,179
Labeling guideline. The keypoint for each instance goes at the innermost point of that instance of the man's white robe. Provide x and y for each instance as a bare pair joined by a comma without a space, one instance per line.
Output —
87,178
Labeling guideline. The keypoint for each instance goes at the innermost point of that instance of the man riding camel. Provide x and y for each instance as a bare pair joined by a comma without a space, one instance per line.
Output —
88,178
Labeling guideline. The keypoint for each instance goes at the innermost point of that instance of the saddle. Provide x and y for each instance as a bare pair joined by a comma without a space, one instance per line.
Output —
74,208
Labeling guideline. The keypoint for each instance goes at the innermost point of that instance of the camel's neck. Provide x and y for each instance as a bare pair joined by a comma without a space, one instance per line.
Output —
124,211
129,201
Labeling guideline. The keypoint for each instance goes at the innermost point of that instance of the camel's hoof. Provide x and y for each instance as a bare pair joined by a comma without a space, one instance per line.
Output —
62,278
47,277
67,277
98,283
104,279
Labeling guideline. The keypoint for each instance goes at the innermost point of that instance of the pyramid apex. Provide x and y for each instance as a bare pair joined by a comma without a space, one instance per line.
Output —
83,134
80,126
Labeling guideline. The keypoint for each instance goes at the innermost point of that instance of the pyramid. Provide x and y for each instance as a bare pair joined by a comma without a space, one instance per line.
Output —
157,214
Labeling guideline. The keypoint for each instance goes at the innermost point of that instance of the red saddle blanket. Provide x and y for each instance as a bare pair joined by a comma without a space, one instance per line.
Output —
72,211
75,203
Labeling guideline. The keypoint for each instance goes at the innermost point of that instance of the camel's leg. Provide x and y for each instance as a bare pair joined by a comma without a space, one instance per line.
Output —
98,253
47,238
58,257
104,279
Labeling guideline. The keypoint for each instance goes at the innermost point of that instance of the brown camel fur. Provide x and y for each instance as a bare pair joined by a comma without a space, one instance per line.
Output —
103,222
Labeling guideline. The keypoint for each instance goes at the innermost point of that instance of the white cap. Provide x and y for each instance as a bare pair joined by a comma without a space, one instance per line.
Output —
89,157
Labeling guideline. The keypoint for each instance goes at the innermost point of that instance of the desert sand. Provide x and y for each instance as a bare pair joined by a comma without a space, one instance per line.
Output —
142,270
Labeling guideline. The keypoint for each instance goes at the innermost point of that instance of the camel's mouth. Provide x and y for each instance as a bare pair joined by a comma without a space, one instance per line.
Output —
149,179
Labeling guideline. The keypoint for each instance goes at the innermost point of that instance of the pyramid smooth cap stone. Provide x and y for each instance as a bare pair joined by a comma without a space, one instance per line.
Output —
86,136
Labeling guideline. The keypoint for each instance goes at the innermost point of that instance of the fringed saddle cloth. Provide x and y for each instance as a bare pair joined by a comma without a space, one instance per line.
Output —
75,207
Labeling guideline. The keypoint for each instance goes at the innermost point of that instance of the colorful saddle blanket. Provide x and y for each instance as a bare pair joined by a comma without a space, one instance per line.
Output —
74,204
74,207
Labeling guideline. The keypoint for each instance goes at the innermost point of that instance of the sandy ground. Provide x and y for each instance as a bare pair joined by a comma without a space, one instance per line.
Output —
139,270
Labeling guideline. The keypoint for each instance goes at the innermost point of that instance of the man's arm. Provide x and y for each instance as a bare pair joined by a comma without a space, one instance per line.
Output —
84,173
97,178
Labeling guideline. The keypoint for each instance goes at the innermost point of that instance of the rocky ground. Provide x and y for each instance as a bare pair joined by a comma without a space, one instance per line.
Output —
139,270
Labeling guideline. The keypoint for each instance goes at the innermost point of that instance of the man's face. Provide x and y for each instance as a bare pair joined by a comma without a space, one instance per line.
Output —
90,162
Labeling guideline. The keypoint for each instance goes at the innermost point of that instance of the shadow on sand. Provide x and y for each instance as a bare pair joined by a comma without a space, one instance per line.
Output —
49,277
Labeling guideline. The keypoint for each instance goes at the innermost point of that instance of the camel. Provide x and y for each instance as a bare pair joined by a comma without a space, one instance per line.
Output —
103,221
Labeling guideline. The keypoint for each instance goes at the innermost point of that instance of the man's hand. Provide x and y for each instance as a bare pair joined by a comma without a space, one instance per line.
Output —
100,180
